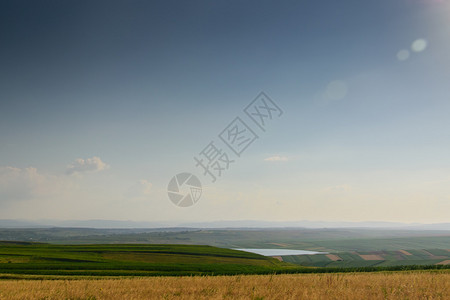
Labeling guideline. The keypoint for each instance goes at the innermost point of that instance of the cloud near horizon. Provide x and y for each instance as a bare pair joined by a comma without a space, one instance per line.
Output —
141,188
339,188
276,158
17,184
80,165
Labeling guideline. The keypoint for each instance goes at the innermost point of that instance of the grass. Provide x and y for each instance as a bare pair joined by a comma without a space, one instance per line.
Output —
381,285
19,259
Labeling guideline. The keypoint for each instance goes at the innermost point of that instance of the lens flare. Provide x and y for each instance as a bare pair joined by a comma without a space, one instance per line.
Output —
403,55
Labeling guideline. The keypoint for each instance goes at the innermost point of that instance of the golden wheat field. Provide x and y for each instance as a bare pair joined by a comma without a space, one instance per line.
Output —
408,285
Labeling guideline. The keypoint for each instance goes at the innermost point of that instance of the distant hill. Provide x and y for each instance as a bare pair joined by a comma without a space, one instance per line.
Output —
13,223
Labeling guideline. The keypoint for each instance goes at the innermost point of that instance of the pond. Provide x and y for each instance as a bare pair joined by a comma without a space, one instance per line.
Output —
279,252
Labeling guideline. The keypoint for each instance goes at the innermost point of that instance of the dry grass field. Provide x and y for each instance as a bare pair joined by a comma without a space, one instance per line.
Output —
395,285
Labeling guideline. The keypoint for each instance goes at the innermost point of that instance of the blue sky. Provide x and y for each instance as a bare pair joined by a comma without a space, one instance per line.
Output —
102,102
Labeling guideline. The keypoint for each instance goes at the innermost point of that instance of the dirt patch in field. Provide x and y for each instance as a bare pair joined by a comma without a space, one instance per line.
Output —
370,257
445,262
279,244
404,252
334,257
278,257
432,256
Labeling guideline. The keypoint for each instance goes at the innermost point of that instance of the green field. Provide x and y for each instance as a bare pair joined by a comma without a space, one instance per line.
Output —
378,258
181,251
328,240
25,259
131,260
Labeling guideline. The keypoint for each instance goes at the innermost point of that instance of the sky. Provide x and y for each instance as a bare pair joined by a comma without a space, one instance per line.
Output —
102,103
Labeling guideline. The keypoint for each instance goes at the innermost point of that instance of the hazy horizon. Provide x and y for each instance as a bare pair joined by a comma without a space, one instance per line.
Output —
102,103
217,224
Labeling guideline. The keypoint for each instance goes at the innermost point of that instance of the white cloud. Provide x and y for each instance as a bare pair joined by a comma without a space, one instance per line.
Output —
29,193
141,188
344,188
80,165
276,158
26,184
17,184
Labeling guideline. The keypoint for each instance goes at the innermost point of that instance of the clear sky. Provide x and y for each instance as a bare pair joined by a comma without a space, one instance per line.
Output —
102,102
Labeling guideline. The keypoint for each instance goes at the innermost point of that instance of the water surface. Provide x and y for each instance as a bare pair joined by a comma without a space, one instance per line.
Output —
279,252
